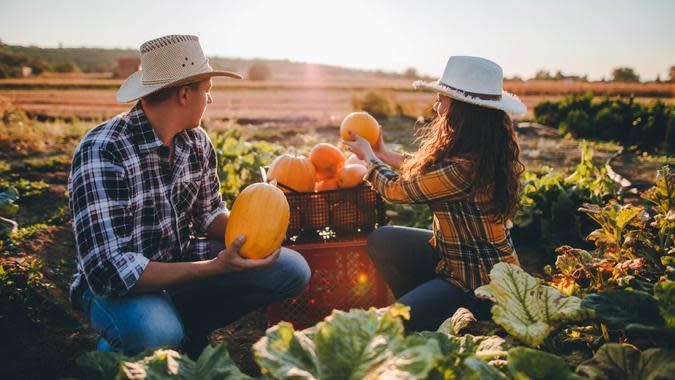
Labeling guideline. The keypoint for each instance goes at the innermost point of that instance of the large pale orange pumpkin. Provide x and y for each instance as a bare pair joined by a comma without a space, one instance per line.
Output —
351,175
261,213
327,159
326,184
298,173
353,159
362,124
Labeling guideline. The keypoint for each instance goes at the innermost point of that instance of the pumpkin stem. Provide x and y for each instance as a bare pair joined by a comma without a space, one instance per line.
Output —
263,174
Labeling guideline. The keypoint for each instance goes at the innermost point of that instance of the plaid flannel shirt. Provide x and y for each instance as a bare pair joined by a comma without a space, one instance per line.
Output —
130,206
469,243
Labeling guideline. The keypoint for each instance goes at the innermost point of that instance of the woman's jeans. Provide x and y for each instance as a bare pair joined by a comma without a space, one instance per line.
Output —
134,323
406,260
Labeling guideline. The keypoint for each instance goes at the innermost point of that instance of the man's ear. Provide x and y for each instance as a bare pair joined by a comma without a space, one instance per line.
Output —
182,95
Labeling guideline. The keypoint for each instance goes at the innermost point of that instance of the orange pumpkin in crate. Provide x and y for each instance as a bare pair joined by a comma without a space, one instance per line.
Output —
297,173
351,175
327,159
326,184
362,124
260,213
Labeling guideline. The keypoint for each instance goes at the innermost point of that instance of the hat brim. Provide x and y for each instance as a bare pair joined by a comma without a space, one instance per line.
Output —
134,89
508,103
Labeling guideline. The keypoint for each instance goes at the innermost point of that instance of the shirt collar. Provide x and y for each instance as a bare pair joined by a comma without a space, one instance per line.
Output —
144,135
142,132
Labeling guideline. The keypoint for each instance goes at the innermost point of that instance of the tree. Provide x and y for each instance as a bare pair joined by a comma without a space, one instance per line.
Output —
625,74
411,72
542,75
69,67
672,74
259,71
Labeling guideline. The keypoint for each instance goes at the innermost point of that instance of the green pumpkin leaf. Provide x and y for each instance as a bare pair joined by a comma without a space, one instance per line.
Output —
625,362
529,364
525,307
664,291
359,344
619,308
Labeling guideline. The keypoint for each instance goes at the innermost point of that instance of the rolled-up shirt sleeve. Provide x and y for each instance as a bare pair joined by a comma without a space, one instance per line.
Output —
102,222
446,182
209,203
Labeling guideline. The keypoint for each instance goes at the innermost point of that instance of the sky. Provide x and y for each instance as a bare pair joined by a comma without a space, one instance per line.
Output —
578,37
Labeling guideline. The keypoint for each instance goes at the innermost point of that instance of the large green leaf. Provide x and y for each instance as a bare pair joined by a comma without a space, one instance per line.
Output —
355,345
529,364
624,362
619,308
664,291
464,357
525,307
214,363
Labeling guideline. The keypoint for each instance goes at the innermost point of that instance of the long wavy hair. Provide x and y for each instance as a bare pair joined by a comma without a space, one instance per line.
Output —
485,137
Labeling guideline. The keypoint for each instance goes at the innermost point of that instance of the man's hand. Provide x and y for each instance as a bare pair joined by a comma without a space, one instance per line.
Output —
229,260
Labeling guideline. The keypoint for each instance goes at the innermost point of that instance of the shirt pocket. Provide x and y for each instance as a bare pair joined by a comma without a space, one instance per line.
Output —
187,195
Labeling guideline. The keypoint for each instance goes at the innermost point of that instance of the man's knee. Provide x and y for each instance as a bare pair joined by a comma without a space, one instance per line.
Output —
149,334
296,272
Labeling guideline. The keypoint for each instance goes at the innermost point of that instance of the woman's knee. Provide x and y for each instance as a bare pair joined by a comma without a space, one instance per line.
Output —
378,242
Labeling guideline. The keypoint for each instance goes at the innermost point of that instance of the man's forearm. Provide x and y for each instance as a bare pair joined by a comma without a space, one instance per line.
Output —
158,276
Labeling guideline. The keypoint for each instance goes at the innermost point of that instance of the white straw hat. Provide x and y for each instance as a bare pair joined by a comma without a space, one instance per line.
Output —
477,81
166,62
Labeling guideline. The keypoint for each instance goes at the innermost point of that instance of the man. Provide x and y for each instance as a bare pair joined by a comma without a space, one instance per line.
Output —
142,185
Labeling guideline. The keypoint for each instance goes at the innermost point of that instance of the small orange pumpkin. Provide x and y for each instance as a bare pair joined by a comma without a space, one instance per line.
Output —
351,175
326,184
298,173
260,213
327,159
363,125
353,159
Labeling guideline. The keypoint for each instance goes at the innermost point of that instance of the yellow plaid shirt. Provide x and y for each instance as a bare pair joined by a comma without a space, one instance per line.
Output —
468,242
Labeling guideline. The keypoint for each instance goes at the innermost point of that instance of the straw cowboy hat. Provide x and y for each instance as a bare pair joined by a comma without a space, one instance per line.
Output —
477,81
167,62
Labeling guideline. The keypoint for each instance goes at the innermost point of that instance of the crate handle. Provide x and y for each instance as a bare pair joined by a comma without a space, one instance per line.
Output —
263,174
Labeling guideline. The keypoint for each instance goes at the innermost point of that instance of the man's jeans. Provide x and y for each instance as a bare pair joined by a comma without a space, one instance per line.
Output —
134,323
406,260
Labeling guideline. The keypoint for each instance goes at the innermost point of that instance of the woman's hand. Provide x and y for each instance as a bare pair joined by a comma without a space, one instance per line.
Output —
361,147
379,149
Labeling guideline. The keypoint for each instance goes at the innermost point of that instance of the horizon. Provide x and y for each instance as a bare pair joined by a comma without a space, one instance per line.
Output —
575,38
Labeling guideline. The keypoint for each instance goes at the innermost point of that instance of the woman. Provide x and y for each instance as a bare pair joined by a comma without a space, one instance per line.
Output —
467,170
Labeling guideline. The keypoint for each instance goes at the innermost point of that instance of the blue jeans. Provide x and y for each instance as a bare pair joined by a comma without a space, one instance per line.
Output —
134,323
406,261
